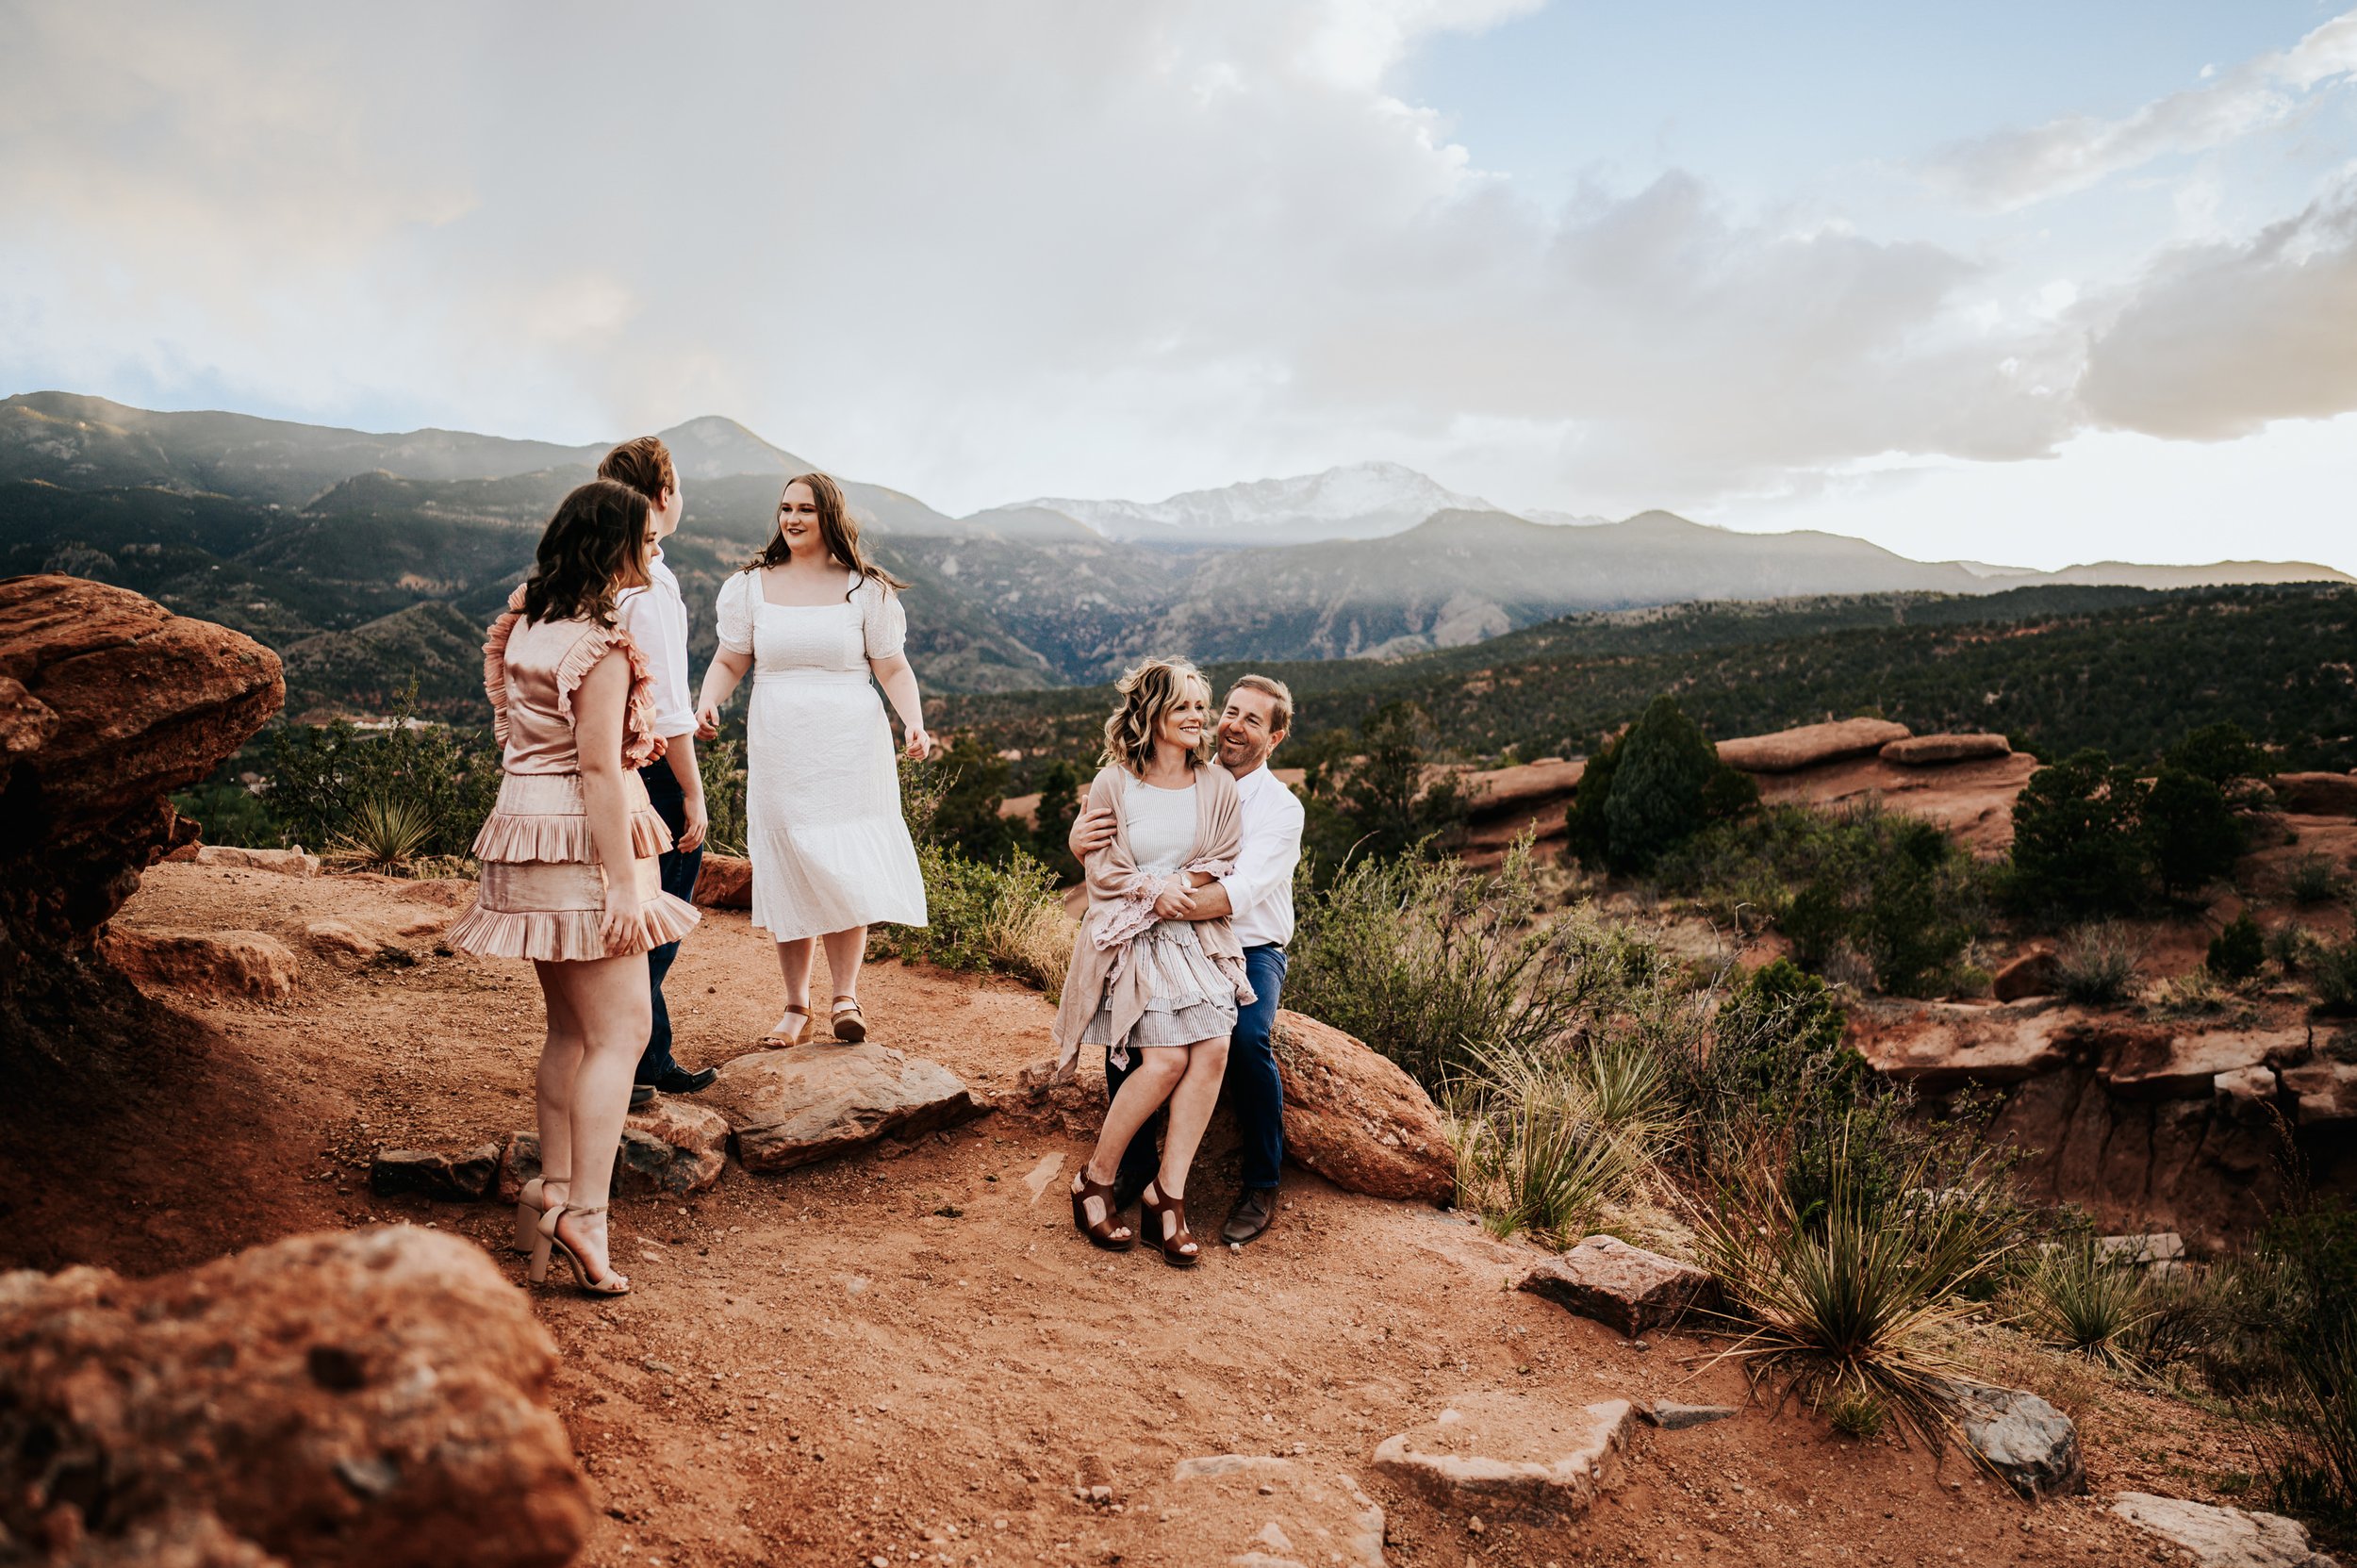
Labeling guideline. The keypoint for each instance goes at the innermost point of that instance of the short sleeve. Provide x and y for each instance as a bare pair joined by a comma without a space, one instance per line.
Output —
886,625
735,622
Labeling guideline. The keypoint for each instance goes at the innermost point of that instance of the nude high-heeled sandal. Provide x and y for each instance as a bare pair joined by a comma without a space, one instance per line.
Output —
590,1284
530,1205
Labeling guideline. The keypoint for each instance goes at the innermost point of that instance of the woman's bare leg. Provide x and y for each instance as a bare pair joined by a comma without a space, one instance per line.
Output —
553,1084
1191,1105
1158,1072
608,998
845,950
794,965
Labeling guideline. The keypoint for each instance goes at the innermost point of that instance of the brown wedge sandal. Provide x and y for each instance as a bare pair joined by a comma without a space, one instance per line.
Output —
849,1027
801,1036
1166,1219
1108,1232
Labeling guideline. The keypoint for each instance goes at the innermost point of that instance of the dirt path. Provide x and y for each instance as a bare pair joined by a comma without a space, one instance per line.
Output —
908,1356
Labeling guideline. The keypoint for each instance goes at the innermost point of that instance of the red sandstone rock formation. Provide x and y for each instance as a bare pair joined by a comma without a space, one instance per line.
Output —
375,1399
107,704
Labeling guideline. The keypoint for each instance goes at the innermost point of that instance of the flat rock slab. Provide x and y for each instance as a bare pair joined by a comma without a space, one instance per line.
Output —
2185,1066
2222,1536
1935,750
2326,1091
1670,1416
1276,1513
1789,751
288,862
2029,1443
1941,1045
452,1175
1626,1287
1510,1456
1355,1117
671,1147
341,939
251,964
802,1104
2317,794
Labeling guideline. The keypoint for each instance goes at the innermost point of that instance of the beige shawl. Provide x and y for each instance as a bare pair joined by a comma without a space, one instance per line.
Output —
1121,908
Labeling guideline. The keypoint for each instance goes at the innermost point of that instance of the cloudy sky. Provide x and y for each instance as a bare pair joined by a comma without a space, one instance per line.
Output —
1994,279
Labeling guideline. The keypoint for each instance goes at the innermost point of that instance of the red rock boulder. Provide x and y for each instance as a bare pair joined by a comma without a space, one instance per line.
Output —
211,965
725,882
108,703
1789,751
1938,750
375,1399
1357,1118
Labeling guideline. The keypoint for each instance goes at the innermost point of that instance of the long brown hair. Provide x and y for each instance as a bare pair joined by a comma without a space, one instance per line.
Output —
1148,694
837,528
595,546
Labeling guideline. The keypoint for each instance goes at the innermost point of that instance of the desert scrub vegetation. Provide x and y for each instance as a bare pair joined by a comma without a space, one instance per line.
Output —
2097,963
1002,917
1851,886
1650,789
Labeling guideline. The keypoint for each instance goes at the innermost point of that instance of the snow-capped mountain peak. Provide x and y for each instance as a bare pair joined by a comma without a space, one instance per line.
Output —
1358,501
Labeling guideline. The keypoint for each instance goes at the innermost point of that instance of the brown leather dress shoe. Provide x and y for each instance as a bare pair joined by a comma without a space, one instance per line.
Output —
1255,1207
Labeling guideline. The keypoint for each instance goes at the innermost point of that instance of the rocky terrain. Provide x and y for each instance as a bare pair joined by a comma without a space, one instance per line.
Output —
266,1313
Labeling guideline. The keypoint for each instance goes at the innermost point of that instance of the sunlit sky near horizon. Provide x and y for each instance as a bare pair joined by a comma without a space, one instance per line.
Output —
2032,283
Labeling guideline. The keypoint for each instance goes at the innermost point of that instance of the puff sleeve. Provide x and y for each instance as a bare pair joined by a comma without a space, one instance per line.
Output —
883,623
734,623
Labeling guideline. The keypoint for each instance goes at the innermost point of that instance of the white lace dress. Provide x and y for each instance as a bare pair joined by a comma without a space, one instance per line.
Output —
822,796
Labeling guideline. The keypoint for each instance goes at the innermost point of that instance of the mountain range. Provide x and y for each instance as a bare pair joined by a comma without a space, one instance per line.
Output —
367,559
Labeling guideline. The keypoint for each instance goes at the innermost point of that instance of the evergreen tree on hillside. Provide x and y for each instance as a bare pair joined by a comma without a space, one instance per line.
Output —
1659,782
2078,845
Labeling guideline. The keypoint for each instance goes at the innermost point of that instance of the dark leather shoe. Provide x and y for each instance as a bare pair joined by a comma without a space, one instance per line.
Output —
679,1080
1255,1207
641,1095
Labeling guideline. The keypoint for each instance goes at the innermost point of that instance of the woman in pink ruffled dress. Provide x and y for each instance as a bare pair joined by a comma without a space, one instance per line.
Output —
573,707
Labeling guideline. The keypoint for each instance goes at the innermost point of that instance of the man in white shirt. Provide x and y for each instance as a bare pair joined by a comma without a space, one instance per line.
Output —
1258,896
657,619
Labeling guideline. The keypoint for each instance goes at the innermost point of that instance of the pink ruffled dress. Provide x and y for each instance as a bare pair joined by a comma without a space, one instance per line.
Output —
543,891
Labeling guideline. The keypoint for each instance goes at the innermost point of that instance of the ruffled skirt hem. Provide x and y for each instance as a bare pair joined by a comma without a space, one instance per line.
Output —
567,935
509,835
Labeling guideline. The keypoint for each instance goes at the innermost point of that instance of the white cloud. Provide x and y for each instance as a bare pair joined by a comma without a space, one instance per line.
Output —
2017,168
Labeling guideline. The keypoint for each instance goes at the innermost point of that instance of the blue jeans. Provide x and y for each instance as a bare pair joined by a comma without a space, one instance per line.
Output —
1253,1090
678,879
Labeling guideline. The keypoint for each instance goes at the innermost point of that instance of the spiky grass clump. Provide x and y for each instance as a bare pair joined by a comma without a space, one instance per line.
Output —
2082,1299
1854,1297
2098,964
1859,1414
384,833
1547,1141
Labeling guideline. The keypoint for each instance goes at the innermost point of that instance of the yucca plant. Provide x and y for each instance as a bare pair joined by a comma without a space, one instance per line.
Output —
1853,1297
1547,1140
2081,1299
383,833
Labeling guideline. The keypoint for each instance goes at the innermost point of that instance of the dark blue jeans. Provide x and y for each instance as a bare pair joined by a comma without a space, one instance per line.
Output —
1253,1090
678,879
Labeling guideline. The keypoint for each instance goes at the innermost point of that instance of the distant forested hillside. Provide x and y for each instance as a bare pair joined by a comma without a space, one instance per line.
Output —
2058,668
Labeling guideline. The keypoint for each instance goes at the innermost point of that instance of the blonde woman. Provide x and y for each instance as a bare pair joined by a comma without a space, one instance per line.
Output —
570,876
813,621
1158,988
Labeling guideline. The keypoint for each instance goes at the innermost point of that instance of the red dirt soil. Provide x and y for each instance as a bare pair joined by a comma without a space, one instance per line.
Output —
906,1354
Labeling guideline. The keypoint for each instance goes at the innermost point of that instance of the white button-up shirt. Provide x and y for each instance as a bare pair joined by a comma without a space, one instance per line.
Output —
657,619
1261,888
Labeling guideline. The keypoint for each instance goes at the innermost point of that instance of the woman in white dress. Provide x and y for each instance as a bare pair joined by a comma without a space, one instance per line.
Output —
812,620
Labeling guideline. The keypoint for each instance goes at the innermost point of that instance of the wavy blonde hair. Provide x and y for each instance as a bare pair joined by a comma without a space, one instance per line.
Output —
1148,693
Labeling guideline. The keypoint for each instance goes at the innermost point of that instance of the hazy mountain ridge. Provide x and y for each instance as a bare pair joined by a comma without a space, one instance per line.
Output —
293,532
1358,501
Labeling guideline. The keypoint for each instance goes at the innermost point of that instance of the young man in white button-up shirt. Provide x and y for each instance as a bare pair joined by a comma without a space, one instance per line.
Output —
657,619
1258,896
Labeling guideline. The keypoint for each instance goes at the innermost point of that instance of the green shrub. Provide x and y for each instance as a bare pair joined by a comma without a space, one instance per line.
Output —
721,766
2077,849
1776,1050
1659,787
2191,833
384,833
2312,1251
2223,755
2334,975
1005,919
2291,946
320,776
228,811
2313,880
2096,964
2236,951
1060,790
968,818
1430,963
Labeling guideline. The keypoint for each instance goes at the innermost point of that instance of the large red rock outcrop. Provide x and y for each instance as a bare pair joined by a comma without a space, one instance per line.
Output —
376,1399
108,703
1789,751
